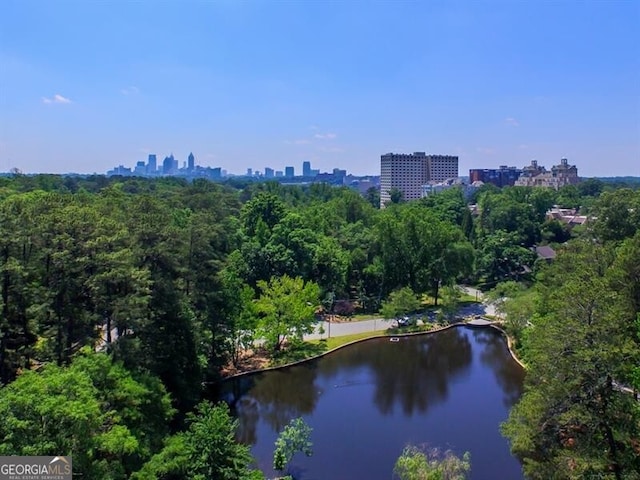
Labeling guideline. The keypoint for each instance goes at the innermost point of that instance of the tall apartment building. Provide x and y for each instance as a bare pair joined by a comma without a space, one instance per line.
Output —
408,172
442,167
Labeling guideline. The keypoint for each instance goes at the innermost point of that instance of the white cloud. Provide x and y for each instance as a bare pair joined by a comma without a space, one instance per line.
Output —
313,138
325,136
130,90
57,98
512,122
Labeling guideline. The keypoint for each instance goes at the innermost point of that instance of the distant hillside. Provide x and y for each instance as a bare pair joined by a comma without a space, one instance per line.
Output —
627,180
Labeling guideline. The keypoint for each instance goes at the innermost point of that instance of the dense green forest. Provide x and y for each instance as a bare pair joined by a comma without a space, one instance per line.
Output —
121,297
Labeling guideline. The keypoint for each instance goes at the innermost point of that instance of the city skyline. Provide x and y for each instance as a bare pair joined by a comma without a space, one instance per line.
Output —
173,165
256,84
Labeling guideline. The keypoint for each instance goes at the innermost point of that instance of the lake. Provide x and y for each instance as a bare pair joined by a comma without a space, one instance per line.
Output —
365,402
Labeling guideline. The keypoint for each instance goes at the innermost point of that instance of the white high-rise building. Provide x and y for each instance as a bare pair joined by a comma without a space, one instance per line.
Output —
405,172
408,172
442,167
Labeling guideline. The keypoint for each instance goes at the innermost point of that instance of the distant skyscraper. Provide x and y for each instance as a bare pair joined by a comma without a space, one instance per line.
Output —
140,169
249,172
289,172
152,164
169,165
306,169
192,162
268,172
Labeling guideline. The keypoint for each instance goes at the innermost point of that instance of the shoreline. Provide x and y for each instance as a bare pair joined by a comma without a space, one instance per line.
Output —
382,334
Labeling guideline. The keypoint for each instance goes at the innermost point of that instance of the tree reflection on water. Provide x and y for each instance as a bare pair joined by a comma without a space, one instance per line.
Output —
509,375
276,397
412,374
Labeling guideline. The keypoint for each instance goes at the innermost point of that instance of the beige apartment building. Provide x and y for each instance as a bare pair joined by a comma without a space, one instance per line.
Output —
559,176
408,172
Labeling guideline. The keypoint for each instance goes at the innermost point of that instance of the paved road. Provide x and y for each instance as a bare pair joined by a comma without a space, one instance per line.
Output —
349,328
380,324
488,308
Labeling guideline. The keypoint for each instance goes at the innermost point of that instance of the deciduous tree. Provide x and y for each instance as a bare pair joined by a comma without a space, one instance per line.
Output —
432,464
107,418
287,306
574,420
296,437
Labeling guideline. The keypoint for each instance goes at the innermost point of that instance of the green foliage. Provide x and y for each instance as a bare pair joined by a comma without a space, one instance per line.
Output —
486,189
451,296
516,307
241,312
420,250
373,197
501,257
618,214
501,294
590,187
162,275
515,211
211,446
262,213
634,376
569,197
400,302
395,196
286,307
419,464
574,421
449,205
296,437
554,231
107,418
206,450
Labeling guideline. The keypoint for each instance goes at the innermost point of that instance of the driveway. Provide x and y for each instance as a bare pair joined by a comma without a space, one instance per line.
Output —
349,328
380,324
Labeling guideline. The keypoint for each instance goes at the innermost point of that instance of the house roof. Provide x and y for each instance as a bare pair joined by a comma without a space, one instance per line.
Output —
546,252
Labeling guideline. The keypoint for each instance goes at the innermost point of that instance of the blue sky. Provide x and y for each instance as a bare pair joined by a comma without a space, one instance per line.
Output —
88,85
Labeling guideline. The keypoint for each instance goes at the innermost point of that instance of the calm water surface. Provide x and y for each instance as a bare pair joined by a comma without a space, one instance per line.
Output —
366,402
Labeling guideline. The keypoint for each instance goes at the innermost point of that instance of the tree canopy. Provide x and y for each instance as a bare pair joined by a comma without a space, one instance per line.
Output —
121,297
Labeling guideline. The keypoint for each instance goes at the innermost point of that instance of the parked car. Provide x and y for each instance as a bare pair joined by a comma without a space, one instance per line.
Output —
403,321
